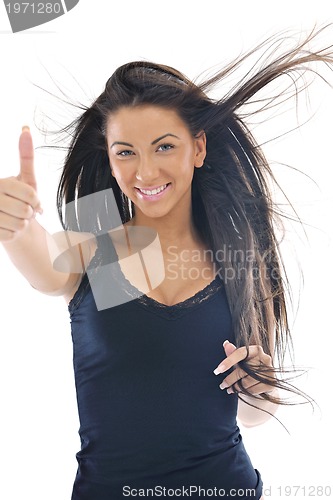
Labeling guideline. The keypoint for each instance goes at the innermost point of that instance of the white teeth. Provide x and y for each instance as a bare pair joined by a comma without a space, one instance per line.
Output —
154,191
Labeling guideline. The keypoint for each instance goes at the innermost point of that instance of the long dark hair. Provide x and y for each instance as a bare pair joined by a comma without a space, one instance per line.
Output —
232,205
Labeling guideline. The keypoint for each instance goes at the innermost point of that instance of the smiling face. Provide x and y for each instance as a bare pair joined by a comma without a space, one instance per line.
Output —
152,155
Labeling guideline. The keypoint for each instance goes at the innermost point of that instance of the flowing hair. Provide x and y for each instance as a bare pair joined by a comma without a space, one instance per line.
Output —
232,205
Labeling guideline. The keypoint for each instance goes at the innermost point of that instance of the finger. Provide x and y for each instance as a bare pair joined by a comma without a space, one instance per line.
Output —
26,150
251,385
6,235
229,348
234,377
12,188
10,223
232,360
16,207
254,352
255,389
247,383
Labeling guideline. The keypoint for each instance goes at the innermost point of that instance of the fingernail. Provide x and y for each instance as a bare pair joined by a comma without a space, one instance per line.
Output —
230,390
220,369
224,385
25,128
39,209
226,342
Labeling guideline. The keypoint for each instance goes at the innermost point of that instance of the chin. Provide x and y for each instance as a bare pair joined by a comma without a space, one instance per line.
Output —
154,214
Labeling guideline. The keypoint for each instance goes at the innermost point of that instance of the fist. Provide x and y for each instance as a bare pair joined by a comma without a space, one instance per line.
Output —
18,195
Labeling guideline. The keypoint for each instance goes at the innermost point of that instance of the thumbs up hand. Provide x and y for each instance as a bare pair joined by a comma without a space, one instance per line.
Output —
18,195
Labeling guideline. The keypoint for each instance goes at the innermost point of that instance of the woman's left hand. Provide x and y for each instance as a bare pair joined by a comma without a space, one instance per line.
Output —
257,357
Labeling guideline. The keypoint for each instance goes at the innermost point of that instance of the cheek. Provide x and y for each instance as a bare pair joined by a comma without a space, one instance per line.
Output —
122,176
185,165
188,156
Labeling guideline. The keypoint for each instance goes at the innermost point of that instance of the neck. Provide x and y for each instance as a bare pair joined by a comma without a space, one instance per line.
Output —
177,230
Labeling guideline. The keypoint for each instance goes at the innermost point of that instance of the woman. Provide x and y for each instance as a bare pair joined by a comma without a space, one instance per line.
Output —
177,300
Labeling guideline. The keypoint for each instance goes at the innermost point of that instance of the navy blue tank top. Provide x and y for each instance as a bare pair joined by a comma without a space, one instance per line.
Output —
152,415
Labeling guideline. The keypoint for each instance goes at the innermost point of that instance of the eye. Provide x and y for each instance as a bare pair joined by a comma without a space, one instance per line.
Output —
165,147
125,152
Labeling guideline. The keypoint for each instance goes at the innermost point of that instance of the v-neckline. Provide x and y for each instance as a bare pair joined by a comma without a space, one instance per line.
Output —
143,299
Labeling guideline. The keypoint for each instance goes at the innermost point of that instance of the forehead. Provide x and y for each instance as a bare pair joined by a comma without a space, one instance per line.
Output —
144,120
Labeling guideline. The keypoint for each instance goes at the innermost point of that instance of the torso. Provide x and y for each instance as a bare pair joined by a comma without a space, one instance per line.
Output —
151,410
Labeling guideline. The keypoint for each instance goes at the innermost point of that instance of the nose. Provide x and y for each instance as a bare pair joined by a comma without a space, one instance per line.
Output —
147,171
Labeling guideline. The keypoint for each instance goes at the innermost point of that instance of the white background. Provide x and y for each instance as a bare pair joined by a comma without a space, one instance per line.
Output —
38,418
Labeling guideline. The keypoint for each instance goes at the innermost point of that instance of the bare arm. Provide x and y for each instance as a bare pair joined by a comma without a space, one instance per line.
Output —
34,252
29,246
250,416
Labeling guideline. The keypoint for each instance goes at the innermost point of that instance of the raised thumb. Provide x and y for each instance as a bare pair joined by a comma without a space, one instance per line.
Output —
26,151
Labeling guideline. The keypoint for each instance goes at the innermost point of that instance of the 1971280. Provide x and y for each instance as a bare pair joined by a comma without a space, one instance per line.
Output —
34,8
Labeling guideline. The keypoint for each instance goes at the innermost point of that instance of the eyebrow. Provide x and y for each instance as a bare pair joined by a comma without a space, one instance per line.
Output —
153,143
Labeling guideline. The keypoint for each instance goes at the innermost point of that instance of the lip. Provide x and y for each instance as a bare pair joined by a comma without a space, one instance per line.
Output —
152,197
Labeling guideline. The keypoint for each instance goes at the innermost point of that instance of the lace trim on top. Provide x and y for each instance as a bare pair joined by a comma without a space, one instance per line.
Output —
199,297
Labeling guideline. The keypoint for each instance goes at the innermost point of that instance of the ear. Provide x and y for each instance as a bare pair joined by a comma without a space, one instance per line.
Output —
200,149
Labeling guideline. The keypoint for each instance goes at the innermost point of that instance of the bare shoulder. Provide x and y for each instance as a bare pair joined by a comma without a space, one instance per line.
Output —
74,251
